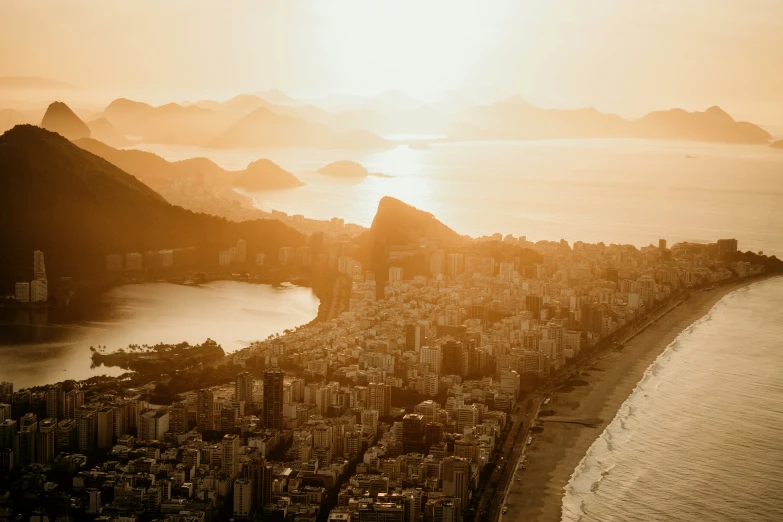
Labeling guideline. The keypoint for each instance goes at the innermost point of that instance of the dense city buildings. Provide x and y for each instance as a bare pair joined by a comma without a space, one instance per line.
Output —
393,410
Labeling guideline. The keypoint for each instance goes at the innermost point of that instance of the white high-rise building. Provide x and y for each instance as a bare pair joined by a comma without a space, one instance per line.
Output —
230,463
22,292
437,263
39,269
456,479
153,425
39,291
509,381
395,274
431,355
370,421
166,258
243,493
506,271
467,417
428,410
455,264
554,331
431,384
286,255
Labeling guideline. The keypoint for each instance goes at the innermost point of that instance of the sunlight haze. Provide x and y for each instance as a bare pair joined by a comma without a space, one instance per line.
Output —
623,57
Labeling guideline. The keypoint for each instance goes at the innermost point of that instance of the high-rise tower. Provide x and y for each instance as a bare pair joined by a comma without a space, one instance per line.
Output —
273,398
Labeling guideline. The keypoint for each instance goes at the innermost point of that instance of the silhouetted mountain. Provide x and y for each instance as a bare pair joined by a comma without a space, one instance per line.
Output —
125,107
77,208
102,130
515,120
344,169
243,121
714,124
777,144
394,239
242,104
265,174
397,223
171,123
61,119
504,120
265,128
159,173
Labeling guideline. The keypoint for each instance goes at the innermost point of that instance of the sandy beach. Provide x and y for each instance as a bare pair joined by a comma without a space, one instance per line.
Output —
536,493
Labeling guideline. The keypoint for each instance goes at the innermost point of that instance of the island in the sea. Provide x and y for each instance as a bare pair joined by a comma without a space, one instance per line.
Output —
344,169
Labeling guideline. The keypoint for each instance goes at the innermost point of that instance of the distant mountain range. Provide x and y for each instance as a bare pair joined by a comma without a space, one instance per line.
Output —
243,122
518,119
265,128
78,207
274,119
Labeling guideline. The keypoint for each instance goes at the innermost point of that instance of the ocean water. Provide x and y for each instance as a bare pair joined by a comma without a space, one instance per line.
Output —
616,191
701,437
52,346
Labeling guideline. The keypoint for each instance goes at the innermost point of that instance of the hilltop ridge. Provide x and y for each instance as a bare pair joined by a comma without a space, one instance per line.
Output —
78,207
61,119
157,172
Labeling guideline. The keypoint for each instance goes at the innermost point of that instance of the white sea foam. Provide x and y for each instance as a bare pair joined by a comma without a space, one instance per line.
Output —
600,458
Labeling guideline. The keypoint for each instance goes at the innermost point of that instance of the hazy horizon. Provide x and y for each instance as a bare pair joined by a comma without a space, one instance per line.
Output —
618,58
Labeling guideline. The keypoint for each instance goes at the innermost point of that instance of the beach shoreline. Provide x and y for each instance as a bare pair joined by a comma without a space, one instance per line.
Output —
536,493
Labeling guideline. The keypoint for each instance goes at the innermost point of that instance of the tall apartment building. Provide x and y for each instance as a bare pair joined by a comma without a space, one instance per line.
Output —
205,404
379,398
273,398
243,388
230,460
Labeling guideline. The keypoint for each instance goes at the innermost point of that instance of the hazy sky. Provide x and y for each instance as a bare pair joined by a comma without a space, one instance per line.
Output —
626,56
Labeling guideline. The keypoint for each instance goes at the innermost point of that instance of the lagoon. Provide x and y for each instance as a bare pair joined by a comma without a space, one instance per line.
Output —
41,347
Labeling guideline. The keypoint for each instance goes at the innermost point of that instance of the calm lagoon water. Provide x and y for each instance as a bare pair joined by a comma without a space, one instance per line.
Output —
44,348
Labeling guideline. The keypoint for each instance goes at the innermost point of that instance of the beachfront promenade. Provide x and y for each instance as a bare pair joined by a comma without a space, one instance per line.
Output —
606,376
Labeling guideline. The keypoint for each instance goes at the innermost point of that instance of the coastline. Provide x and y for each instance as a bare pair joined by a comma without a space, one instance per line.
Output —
536,493
88,311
